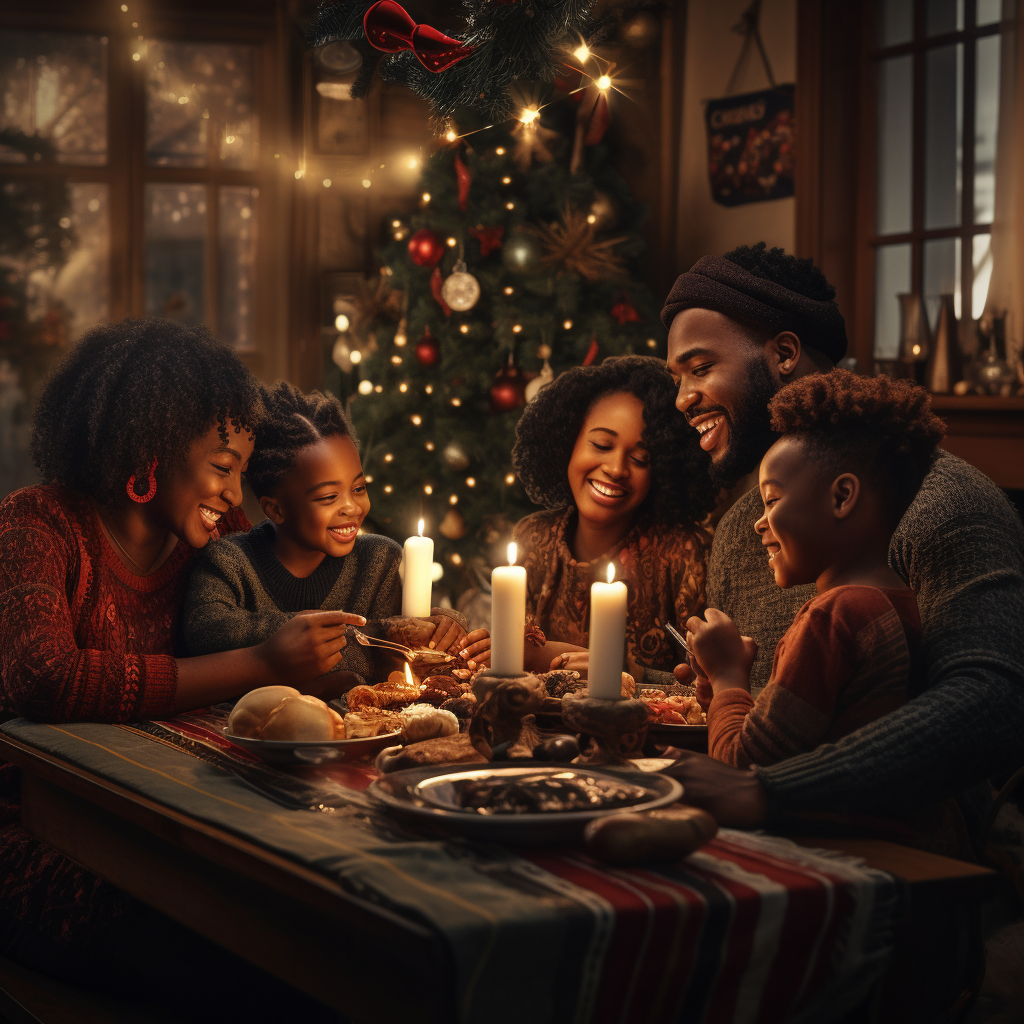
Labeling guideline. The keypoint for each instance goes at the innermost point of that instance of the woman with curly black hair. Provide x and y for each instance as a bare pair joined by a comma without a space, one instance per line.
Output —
140,437
623,479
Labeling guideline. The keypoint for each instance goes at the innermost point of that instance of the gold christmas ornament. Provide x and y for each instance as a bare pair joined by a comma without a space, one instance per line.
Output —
570,247
453,526
460,290
455,456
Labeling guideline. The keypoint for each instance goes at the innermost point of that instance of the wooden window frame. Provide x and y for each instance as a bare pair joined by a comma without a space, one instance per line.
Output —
266,26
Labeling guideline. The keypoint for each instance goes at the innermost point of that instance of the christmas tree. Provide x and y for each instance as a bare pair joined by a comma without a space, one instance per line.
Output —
516,266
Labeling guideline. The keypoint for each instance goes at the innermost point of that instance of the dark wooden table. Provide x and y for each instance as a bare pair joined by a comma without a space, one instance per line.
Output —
294,922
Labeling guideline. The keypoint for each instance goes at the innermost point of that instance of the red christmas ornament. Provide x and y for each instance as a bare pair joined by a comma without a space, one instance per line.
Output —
465,179
624,312
489,238
508,391
436,288
425,248
389,27
427,349
591,353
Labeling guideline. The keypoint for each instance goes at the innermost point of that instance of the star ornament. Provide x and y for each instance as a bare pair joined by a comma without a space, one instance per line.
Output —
571,248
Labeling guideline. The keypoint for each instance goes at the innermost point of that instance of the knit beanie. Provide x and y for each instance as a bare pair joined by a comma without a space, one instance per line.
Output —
714,282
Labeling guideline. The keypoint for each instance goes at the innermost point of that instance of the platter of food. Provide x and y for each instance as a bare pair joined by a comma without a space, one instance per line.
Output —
529,803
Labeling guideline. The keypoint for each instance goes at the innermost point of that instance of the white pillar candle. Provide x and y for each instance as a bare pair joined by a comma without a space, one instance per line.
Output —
418,556
508,616
607,637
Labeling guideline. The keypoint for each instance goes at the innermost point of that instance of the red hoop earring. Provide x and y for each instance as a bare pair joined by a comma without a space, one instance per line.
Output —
150,491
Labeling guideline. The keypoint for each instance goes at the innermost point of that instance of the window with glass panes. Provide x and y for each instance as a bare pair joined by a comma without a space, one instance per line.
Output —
937,64
131,171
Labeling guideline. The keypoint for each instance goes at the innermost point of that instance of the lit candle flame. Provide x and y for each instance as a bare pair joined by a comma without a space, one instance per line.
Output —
409,677
513,552
420,528
611,572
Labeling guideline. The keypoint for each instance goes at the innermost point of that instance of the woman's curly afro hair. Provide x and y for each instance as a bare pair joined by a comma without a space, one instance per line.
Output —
293,422
881,428
681,489
134,391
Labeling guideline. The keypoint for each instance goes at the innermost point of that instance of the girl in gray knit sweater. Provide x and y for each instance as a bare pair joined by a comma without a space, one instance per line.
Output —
308,554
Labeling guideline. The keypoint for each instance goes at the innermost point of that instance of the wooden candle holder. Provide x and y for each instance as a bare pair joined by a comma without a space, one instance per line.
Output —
504,714
616,728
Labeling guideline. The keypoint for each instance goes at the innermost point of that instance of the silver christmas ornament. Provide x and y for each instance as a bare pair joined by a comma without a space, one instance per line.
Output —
455,455
542,380
460,290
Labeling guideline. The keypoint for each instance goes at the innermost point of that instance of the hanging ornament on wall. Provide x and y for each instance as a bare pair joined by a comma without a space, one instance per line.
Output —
508,390
453,526
425,248
604,211
521,253
461,290
641,31
427,349
544,378
455,456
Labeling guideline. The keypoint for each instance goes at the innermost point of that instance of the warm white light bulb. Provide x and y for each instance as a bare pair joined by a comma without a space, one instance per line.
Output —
582,52
355,357
529,115
341,322
604,82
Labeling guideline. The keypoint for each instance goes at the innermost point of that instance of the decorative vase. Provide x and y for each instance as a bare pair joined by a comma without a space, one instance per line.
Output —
945,366
914,341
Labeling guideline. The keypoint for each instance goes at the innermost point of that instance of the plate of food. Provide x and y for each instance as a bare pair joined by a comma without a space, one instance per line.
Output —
282,726
526,803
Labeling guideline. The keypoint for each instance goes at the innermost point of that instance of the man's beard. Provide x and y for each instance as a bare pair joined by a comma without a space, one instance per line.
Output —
750,432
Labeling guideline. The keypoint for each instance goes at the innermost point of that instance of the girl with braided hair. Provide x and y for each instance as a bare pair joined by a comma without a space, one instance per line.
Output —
140,438
309,553
623,479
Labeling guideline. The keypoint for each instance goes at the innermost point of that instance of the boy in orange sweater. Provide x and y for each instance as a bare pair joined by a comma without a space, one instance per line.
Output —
853,453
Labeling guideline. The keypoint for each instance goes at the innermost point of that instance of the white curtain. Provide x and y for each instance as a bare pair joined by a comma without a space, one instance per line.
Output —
1006,289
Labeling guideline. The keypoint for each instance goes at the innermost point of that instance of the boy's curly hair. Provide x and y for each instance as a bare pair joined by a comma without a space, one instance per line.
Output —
681,489
133,391
293,422
882,428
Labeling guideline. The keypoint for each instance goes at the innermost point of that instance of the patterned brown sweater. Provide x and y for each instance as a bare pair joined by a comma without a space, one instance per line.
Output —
662,566
848,658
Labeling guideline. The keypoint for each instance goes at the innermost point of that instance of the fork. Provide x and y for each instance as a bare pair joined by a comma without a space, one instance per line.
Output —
678,637
409,653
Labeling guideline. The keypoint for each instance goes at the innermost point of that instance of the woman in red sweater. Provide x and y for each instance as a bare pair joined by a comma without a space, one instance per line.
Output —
140,437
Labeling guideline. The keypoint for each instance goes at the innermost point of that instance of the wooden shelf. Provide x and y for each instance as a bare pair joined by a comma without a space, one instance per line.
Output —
977,403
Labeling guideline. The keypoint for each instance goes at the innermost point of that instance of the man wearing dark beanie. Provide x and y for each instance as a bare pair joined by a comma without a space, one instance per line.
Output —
740,327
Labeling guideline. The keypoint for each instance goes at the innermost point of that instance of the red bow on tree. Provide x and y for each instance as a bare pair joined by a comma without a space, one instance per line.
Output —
625,312
489,238
389,27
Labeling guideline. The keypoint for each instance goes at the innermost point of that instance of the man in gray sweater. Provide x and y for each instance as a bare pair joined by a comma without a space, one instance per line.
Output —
740,327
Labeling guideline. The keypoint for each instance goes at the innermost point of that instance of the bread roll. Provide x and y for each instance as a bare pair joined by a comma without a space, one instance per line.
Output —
248,715
663,835
303,718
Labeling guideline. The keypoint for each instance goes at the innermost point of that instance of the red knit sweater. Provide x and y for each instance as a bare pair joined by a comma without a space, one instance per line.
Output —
81,638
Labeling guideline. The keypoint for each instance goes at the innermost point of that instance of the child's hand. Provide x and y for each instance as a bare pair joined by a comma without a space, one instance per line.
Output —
572,661
720,652
476,648
307,646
